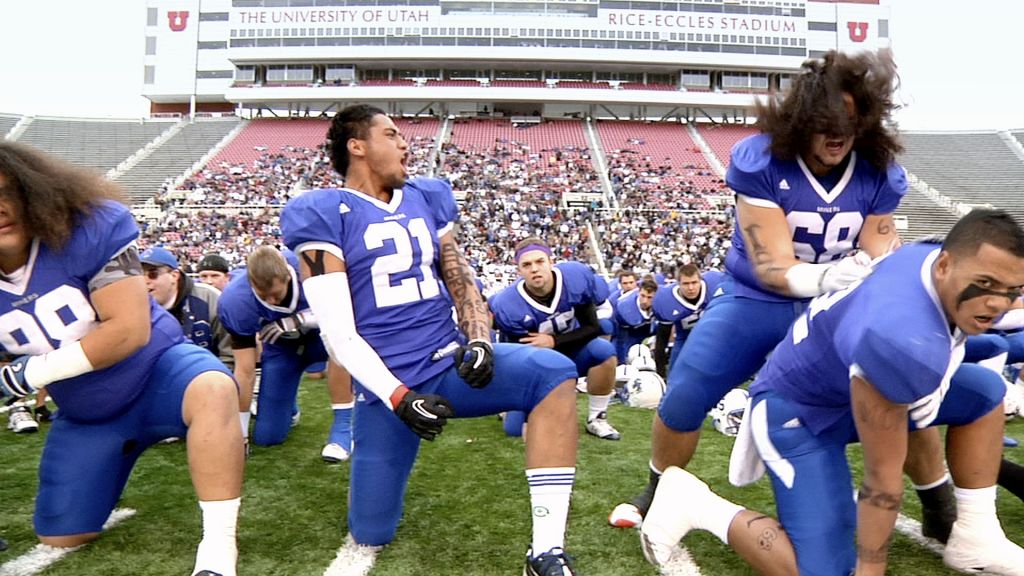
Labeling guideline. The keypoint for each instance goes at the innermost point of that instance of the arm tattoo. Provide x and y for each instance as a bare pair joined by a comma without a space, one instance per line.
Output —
314,260
878,555
769,535
469,305
762,258
879,499
884,228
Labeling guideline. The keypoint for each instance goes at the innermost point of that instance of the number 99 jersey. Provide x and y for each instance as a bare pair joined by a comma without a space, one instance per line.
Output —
49,306
390,250
825,215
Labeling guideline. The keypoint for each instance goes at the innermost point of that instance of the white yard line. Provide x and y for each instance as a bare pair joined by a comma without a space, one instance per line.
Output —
42,556
352,559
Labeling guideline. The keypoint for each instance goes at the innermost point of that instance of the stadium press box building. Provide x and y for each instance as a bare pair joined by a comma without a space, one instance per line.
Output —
552,58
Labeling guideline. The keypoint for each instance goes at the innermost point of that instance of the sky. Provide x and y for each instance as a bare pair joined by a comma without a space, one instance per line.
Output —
956,61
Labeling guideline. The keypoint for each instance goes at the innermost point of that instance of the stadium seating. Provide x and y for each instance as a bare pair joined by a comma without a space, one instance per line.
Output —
172,158
286,136
656,165
722,137
101,144
7,122
976,168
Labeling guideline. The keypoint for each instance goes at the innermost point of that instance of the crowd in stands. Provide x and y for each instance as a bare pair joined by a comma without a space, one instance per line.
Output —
508,190
656,240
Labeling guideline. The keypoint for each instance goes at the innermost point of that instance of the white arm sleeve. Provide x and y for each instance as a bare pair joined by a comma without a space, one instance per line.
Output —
331,301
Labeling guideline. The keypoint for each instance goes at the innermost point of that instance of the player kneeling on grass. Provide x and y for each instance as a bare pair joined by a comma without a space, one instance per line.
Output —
372,255
869,362
76,314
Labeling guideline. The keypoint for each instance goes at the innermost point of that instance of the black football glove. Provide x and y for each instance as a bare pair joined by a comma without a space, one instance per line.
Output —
424,414
476,363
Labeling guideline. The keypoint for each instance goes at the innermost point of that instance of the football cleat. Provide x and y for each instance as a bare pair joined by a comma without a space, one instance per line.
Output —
334,453
599,426
626,515
207,573
296,417
43,414
1010,442
989,552
21,421
3,544
631,514
678,503
554,562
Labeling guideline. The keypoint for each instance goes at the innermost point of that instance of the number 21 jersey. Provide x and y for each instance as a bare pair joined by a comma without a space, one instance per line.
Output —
390,250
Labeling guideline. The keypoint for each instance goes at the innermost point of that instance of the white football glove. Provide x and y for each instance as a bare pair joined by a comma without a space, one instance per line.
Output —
924,411
288,328
846,271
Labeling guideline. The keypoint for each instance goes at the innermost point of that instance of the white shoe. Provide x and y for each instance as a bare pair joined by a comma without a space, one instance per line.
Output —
353,559
334,453
295,418
626,515
599,426
677,504
1013,402
21,421
989,552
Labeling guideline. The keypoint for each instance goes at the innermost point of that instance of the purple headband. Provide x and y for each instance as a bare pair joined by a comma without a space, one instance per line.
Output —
531,247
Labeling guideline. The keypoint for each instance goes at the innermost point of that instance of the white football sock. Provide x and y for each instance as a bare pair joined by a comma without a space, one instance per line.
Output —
598,404
243,419
550,489
218,550
976,509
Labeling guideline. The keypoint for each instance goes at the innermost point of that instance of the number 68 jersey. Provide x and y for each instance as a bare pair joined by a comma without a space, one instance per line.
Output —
47,305
825,215
391,251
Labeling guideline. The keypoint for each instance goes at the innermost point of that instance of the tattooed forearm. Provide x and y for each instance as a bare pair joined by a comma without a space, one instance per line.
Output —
768,271
880,499
870,555
314,260
474,319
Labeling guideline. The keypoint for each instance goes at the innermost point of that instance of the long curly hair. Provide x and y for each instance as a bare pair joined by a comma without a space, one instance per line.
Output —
50,194
815,105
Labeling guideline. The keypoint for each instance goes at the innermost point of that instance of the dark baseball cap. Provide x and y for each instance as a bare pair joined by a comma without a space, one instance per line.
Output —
214,262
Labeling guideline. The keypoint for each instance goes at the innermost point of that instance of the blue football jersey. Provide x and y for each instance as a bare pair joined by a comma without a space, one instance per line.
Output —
890,328
391,252
242,312
50,306
628,313
671,308
824,221
517,313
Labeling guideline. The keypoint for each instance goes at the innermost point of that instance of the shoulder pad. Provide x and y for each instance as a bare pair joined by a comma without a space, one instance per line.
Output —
753,153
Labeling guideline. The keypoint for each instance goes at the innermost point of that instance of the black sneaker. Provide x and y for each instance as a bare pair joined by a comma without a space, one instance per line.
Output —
554,562
43,414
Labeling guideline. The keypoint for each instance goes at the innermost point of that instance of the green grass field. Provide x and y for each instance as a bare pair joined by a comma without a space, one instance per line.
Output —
466,509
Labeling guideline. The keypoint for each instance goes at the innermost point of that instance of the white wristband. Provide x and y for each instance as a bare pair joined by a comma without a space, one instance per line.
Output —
63,363
804,279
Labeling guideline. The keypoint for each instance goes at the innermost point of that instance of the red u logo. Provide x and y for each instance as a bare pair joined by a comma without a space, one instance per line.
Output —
858,30
178,20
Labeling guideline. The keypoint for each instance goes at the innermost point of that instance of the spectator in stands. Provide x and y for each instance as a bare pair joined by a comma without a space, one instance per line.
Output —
213,269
